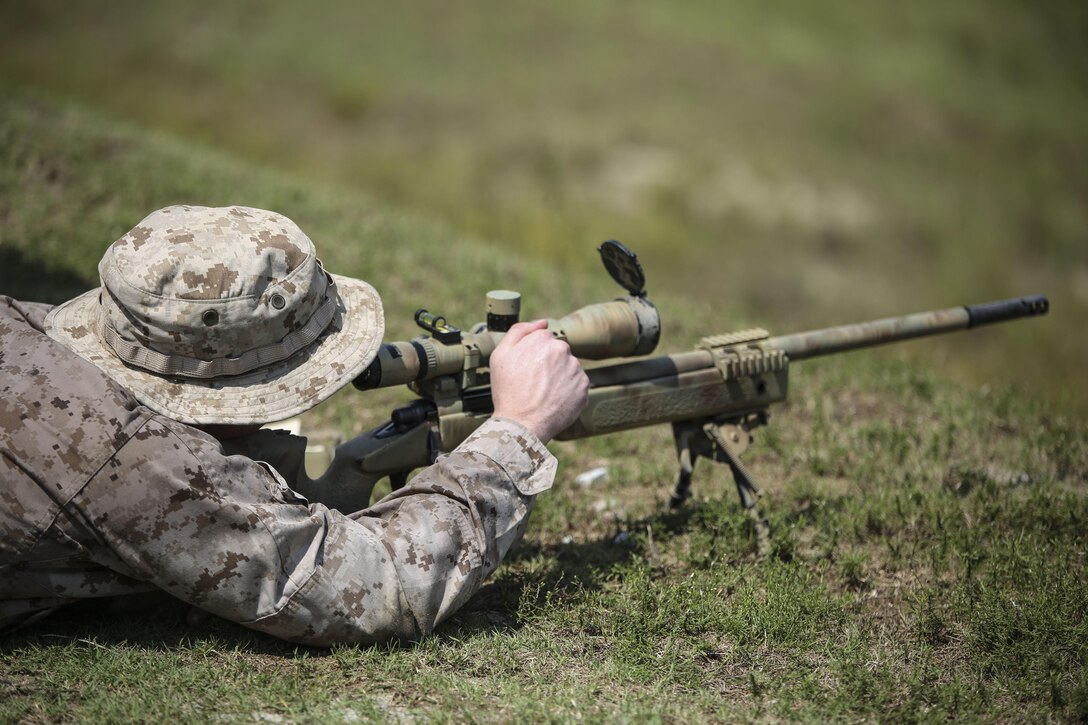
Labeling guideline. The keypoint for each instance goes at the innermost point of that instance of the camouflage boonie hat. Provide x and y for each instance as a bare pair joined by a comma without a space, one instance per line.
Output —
222,315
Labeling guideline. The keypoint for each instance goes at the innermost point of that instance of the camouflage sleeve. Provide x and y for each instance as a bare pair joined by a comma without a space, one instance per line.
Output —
224,534
455,522
34,312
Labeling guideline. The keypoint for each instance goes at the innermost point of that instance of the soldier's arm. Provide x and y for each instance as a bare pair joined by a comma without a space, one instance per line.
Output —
217,532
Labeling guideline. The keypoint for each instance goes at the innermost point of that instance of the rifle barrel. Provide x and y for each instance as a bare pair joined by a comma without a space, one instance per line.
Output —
878,332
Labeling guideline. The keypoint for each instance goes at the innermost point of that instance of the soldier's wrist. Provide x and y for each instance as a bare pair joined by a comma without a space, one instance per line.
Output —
539,430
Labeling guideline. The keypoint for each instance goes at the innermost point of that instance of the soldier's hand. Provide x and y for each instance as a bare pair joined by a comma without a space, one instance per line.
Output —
536,381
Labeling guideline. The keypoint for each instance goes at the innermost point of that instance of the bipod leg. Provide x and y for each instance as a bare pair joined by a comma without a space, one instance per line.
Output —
682,492
746,486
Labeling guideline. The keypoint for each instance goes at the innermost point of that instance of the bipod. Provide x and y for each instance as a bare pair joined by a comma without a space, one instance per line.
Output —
722,441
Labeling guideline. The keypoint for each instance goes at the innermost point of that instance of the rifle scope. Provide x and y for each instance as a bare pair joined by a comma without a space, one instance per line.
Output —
623,327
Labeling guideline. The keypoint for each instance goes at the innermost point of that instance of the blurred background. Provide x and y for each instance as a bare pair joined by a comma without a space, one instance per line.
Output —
787,165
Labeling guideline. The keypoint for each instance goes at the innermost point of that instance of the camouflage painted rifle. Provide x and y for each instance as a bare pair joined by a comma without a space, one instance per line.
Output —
713,396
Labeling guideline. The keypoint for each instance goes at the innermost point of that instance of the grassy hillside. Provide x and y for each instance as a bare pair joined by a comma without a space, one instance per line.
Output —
929,551
799,165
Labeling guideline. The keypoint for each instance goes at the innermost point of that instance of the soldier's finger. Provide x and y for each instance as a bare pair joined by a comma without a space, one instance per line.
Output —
515,334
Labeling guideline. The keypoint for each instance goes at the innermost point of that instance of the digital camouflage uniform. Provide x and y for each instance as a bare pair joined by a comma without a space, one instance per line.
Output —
100,496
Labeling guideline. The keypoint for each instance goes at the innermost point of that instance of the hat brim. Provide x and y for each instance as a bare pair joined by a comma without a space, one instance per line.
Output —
272,393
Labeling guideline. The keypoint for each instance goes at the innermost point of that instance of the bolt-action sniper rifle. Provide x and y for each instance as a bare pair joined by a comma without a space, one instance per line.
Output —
714,396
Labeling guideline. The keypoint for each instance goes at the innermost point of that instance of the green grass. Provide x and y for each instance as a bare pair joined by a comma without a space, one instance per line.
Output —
928,538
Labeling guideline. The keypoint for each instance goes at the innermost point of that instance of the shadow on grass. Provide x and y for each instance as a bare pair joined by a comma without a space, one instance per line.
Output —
154,621
534,574
540,575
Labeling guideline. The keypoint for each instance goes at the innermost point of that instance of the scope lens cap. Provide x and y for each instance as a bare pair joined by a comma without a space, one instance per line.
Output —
624,267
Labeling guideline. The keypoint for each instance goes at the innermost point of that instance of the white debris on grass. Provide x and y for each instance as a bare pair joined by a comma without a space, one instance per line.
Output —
591,477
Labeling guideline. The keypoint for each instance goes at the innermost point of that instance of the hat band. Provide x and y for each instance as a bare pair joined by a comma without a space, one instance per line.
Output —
190,367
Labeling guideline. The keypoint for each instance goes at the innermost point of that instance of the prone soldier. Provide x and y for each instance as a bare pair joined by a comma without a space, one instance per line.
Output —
119,411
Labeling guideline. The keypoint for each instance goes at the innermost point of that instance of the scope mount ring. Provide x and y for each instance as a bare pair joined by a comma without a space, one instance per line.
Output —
623,266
